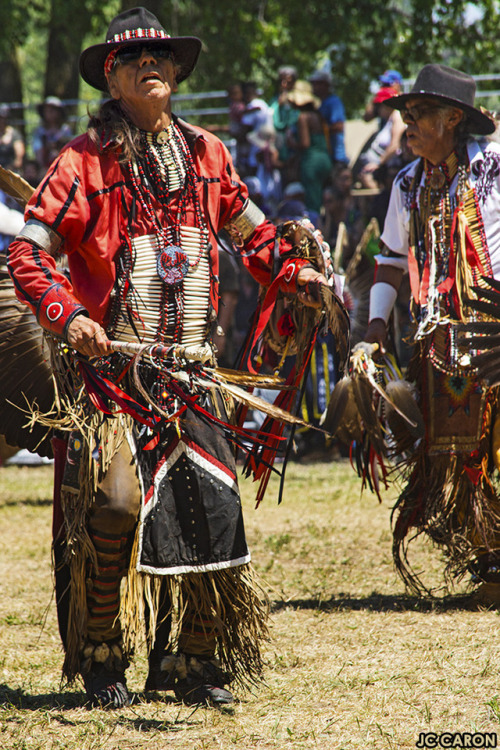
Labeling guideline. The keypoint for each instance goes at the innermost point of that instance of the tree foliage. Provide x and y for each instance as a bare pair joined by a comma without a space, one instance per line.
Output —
243,41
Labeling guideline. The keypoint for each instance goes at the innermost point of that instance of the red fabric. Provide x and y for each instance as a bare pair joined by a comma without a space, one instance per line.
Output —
57,308
82,198
285,281
473,260
386,92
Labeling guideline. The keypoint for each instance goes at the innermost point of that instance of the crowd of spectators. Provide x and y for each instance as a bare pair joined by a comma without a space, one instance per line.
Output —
291,152
28,157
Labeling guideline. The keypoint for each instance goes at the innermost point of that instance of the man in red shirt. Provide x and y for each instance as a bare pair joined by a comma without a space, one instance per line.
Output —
135,205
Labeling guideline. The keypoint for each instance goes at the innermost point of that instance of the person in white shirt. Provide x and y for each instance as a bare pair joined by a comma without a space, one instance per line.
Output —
443,227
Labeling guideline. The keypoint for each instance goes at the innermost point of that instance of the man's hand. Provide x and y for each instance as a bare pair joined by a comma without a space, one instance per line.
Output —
376,333
308,283
88,337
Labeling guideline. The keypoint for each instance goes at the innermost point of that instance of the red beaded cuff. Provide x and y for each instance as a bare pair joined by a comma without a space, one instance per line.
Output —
289,273
56,310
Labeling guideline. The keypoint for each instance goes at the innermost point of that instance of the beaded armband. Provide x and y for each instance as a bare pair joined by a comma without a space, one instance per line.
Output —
57,308
242,226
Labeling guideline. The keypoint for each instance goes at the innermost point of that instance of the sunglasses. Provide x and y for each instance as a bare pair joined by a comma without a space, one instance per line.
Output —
412,114
133,53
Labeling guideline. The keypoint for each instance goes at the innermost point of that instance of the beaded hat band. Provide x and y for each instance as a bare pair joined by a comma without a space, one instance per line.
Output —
133,27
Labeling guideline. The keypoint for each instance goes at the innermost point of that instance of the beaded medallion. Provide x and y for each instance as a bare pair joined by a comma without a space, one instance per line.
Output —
172,265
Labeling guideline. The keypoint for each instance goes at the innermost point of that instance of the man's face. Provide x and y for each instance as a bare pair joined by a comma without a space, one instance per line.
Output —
150,78
320,88
430,130
287,81
343,180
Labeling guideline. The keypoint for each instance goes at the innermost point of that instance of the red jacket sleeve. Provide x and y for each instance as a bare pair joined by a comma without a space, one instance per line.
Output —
75,210
45,289
37,280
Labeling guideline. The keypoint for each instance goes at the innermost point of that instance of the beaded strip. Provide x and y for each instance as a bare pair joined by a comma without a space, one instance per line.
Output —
150,33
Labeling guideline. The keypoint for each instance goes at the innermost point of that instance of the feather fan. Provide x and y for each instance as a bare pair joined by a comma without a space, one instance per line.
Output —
15,186
26,375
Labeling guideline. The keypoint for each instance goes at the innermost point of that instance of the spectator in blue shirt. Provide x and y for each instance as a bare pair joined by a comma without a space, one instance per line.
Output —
333,112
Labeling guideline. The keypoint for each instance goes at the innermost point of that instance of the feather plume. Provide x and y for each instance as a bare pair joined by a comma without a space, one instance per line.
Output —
249,380
402,412
331,417
15,186
255,402
363,395
342,418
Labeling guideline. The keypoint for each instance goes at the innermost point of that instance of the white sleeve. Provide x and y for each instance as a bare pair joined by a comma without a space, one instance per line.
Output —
396,230
11,221
397,222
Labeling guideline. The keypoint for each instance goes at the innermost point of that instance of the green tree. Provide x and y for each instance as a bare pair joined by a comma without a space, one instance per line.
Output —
42,40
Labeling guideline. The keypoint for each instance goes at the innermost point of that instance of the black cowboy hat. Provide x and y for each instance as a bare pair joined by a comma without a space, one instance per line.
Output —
137,26
451,87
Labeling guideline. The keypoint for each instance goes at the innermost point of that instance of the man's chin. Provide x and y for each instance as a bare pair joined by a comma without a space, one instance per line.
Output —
414,149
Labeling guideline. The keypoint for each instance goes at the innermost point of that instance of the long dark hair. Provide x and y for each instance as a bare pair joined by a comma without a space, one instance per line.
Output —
112,124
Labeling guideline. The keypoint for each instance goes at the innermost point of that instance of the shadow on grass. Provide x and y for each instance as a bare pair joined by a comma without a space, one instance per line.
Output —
379,603
32,503
19,699
67,701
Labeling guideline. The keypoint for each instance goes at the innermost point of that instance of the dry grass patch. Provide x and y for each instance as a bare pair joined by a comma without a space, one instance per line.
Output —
353,663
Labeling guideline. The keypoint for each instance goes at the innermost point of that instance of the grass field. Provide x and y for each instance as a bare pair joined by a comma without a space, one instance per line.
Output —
353,662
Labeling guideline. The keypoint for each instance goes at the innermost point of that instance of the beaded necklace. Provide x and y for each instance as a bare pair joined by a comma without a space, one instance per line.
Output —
165,168
438,223
168,167
430,233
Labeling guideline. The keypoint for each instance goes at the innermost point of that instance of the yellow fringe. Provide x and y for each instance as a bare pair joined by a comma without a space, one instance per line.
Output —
464,280
231,598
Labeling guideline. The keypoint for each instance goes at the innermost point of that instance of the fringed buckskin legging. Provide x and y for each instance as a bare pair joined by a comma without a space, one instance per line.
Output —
112,525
